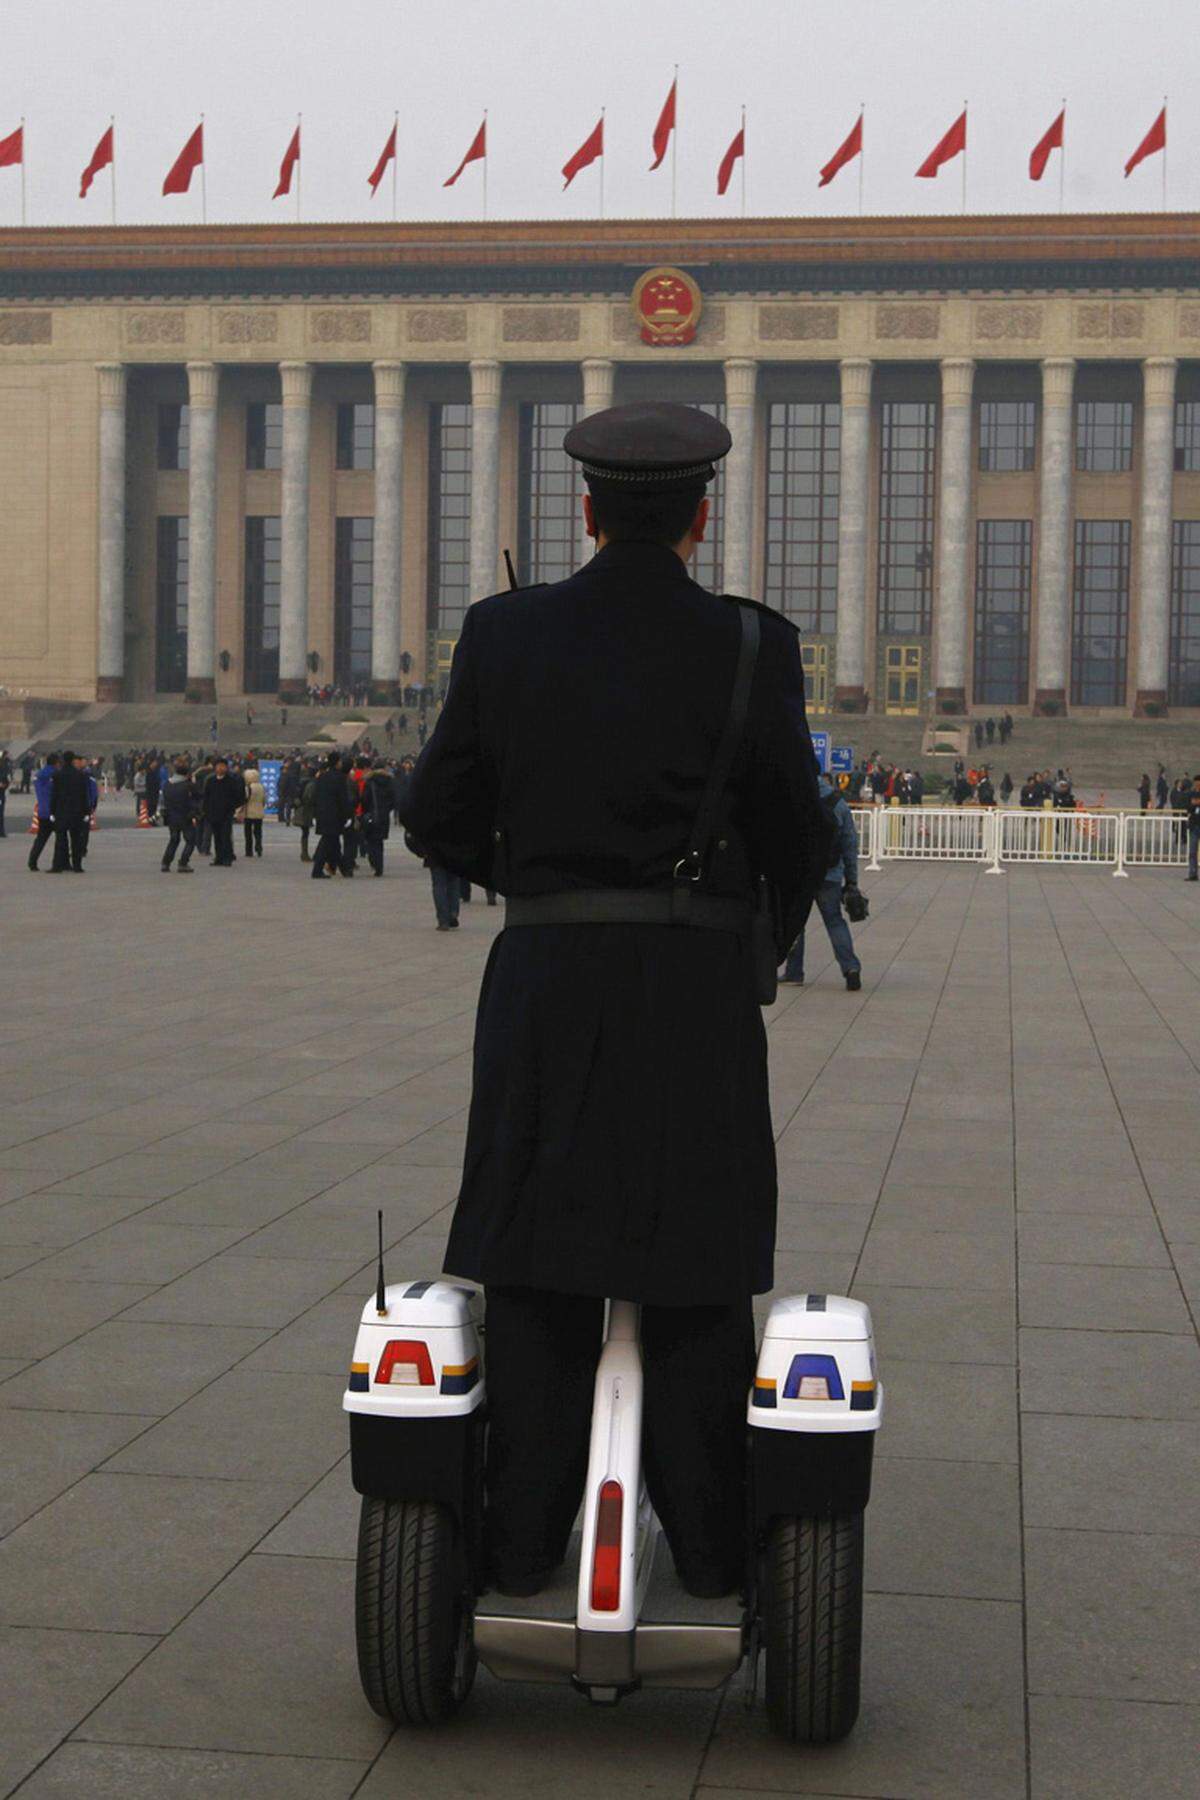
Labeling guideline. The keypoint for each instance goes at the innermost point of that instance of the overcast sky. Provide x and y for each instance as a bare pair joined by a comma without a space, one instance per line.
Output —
544,68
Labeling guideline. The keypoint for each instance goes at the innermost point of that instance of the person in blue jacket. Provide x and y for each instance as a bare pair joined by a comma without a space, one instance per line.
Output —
842,873
42,784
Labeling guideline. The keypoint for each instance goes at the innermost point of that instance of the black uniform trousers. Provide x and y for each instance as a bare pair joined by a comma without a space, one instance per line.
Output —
70,845
542,1354
45,832
222,842
329,854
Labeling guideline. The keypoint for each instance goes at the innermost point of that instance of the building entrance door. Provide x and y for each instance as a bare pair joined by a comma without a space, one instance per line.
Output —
815,660
902,690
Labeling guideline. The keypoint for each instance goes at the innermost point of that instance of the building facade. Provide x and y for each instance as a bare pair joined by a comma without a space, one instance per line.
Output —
966,451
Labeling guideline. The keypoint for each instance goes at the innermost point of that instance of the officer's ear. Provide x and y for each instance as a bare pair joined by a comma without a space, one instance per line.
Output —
589,516
699,523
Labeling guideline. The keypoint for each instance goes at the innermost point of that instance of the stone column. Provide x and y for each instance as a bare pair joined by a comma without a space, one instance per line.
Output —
203,384
737,494
952,616
1052,658
110,634
854,487
486,377
296,381
385,585
1155,536
598,375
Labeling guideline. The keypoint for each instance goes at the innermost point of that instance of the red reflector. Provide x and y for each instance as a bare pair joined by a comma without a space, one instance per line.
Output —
405,1363
606,1558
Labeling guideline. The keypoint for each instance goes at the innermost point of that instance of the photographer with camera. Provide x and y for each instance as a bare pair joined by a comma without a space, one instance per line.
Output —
840,883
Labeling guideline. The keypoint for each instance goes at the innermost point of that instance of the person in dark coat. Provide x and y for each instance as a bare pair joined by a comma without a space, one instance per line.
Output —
378,801
619,1141
223,794
69,795
180,804
333,812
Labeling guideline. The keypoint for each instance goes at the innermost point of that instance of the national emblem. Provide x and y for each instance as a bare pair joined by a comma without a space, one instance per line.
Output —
666,305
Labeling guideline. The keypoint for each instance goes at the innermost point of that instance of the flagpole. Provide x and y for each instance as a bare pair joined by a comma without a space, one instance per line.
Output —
601,161
862,151
743,162
485,162
299,160
1164,171
112,167
1062,158
395,160
203,176
674,137
964,171
24,148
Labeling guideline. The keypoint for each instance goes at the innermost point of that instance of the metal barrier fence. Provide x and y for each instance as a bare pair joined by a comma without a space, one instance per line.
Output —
1000,835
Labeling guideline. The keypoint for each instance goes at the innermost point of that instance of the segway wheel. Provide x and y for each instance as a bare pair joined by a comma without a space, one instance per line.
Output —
812,1626
416,1658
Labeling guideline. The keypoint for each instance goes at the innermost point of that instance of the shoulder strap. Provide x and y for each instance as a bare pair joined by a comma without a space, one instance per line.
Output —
690,867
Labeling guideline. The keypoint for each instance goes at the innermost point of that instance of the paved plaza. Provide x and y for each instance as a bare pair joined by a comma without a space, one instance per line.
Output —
209,1085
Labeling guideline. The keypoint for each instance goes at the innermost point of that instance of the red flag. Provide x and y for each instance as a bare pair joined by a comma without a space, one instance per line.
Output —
952,145
1040,154
1155,139
102,157
591,147
476,153
179,175
386,155
736,149
291,157
664,128
843,154
12,149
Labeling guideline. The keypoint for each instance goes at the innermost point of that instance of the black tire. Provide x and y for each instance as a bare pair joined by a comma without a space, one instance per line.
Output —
812,1626
416,1659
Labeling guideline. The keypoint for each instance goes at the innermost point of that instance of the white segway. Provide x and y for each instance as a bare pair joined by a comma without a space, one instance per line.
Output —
616,1619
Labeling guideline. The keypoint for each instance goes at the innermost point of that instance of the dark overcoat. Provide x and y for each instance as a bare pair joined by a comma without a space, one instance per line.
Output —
620,1139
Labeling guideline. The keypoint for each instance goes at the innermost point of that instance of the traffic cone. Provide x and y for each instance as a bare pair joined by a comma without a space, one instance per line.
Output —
143,816
33,823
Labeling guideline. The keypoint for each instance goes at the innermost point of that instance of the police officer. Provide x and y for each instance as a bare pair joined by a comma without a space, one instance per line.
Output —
1193,831
619,1141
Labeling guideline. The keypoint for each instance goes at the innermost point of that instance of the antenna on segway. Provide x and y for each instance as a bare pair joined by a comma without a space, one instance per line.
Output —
512,573
380,1290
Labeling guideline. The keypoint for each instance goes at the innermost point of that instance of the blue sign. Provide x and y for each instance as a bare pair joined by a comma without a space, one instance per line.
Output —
269,770
841,759
820,744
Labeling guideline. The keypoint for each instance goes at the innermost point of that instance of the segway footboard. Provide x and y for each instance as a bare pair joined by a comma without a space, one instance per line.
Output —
814,1410
415,1403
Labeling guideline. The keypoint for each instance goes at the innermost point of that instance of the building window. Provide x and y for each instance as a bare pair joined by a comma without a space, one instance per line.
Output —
449,573
171,607
355,436
260,635
908,443
353,570
551,490
1100,613
1104,436
803,466
264,435
1187,434
708,563
1003,568
1006,435
173,436
1183,677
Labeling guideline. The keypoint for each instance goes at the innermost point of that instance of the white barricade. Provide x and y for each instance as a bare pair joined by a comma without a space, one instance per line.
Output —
1054,835
940,834
864,824
1155,840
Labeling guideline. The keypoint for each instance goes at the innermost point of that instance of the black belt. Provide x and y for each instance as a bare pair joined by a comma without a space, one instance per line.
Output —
629,906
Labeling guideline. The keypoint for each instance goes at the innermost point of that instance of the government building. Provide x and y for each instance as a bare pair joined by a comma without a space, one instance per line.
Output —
246,460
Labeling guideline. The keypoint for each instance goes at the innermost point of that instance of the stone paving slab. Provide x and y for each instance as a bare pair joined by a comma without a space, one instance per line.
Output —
992,1144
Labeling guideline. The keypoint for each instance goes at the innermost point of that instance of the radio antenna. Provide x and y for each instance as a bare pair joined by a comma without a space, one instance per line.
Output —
380,1290
513,583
